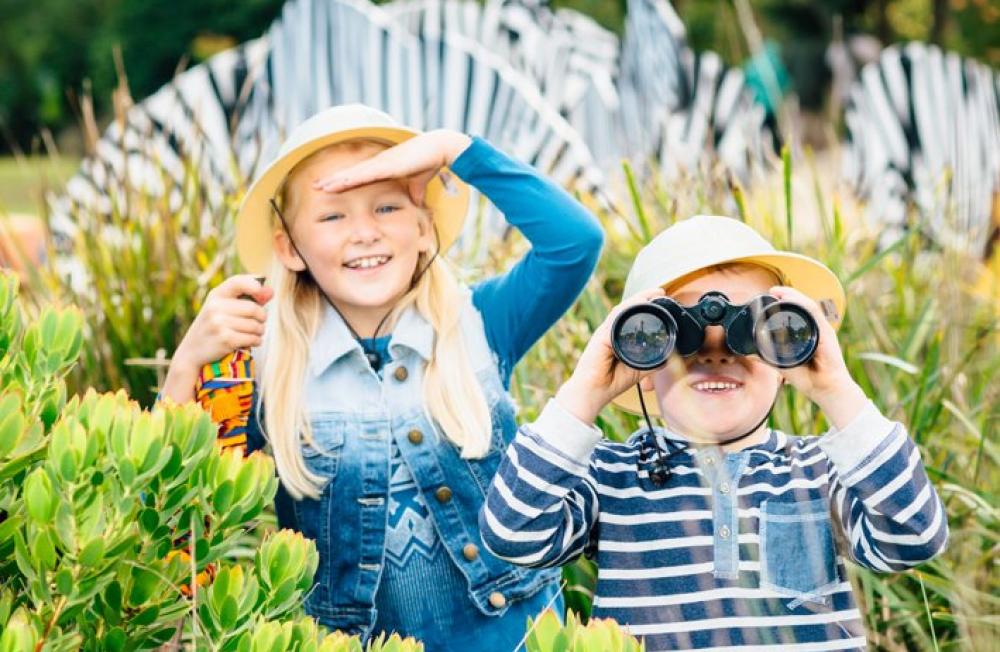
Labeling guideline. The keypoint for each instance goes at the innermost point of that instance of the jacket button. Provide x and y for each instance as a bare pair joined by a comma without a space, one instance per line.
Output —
400,374
443,494
471,551
497,600
415,437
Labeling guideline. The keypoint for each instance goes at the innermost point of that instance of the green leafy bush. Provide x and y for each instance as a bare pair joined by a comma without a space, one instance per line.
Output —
548,634
117,525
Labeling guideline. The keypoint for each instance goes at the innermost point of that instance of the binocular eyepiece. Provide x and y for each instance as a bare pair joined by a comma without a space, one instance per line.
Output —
783,334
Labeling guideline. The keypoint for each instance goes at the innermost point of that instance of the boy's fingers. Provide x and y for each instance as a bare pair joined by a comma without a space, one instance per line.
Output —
784,293
352,176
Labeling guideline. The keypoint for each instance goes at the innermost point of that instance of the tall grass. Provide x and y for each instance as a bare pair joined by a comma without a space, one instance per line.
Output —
148,265
921,337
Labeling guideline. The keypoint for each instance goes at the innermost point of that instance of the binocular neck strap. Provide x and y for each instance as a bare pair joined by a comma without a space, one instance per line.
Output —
752,430
660,469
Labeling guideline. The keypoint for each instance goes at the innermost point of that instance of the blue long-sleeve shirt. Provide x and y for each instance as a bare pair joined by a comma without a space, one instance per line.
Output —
517,308
740,549
521,304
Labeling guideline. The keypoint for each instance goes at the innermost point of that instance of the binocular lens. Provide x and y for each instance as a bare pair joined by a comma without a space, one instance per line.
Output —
643,337
786,336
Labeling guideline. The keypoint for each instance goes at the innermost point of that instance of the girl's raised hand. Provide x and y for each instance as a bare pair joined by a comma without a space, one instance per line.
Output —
417,160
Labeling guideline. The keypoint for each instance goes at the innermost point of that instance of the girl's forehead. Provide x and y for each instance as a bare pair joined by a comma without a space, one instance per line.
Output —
335,158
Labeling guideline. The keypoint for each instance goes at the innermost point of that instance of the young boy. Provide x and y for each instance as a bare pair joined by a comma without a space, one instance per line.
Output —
716,531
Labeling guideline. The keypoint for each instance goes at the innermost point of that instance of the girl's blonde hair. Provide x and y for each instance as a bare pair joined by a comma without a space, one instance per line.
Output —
451,391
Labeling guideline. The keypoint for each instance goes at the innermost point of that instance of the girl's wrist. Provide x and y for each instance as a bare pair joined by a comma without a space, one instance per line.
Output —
179,383
453,144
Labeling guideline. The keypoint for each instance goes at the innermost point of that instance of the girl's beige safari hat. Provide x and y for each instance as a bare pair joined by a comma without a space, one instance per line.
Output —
706,240
446,196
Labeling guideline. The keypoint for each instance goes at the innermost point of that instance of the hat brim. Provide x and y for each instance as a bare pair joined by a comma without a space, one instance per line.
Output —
448,201
809,276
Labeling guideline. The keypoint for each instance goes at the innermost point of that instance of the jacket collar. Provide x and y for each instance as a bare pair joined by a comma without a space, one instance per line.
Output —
333,339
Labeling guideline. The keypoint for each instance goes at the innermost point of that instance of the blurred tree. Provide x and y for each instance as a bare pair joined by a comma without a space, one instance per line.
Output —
48,47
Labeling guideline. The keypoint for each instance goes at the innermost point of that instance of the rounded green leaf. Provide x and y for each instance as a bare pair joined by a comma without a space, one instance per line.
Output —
144,585
39,496
92,553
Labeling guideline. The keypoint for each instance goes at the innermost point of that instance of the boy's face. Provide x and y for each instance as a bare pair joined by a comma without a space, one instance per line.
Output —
714,394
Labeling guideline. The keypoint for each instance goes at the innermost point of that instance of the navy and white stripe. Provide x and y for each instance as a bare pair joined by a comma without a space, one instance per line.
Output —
706,560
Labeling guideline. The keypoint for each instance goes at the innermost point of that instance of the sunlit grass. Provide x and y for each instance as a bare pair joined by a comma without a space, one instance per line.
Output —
920,336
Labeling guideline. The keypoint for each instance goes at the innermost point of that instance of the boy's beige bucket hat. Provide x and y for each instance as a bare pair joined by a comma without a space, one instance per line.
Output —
448,203
706,240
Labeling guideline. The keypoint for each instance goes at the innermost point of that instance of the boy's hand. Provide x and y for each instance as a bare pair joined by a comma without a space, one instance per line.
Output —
599,376
417,160
825,379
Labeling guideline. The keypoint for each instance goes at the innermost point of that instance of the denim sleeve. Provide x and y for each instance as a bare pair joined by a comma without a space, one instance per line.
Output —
888,507
519,305
542,505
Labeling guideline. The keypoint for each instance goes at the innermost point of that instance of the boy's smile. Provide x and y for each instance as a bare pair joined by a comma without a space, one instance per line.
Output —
714,394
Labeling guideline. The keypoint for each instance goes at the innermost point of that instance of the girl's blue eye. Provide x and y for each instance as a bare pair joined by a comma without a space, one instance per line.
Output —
384,210
331,217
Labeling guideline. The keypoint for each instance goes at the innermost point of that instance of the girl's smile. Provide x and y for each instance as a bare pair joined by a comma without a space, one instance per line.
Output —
363,245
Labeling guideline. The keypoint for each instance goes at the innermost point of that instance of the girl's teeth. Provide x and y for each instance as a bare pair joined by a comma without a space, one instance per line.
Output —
366,263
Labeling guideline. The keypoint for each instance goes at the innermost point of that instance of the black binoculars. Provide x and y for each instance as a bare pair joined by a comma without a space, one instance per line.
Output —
783,334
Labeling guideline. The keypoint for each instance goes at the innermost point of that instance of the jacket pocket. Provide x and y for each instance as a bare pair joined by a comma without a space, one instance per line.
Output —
322,456
798,556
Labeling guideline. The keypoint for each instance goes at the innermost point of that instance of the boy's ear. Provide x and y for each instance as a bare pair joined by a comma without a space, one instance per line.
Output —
646,384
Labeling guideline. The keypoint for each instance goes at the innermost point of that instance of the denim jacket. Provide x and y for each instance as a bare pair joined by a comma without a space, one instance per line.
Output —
354,415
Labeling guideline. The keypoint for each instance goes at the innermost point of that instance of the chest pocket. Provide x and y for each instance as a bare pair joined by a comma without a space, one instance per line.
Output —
322,456
798,555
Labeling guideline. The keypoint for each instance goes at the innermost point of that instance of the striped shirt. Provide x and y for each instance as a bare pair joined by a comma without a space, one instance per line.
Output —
733,550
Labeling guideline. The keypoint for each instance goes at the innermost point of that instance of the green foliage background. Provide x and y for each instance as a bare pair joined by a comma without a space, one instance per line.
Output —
53,50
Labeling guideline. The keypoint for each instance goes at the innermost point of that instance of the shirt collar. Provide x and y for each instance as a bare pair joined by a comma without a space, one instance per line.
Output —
675,443
334,340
